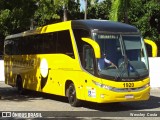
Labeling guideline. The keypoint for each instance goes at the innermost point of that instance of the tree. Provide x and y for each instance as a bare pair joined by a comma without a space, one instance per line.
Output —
88,4
99,10
46,12
119,10
15,16
74,10
51,11
64,5
113,15
144,14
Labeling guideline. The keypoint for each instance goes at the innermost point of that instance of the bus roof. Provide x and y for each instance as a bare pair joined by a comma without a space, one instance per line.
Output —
103,25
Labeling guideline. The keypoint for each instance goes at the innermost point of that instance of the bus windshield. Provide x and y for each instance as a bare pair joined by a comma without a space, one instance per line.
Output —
123,57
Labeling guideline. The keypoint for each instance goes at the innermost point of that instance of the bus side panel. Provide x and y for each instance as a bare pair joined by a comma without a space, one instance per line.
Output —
9,77
61,68
25,66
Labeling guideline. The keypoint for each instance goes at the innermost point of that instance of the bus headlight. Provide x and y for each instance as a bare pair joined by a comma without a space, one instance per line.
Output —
121,89
102,85
147,85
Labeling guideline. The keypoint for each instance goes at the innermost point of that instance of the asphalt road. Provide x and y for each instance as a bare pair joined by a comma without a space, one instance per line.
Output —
58,106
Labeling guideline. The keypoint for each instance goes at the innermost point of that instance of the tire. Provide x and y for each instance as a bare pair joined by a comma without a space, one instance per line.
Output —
19,85
73,101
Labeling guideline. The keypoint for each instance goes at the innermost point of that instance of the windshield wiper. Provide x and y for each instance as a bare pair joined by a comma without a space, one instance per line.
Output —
124,63
125,66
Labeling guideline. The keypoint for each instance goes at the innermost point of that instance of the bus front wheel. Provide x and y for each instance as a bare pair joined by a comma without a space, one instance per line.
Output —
73,101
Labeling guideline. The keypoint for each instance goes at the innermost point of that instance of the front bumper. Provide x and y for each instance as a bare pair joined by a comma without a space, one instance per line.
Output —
110,96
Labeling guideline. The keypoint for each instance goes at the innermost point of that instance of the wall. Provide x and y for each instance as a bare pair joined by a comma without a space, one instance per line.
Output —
154,64
1,70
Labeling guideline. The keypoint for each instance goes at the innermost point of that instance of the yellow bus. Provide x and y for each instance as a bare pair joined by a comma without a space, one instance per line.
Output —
85,60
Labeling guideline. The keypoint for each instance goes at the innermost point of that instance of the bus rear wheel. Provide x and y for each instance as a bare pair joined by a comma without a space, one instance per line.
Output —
19,85
73,101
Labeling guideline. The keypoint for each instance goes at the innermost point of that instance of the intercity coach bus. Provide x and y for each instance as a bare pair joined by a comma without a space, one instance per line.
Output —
85,60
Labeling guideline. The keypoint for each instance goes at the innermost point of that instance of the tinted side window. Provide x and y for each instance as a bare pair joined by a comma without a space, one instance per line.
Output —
8,47
49,43
78,34
11,47
64,44
56,42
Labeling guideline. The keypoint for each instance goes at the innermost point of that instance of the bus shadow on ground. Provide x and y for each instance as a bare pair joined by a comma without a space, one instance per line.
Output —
11,94
152,103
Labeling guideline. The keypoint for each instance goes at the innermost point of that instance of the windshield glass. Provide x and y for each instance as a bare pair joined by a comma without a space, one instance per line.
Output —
122,56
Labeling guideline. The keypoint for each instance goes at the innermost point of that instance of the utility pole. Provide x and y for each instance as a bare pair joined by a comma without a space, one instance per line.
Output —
64,13
85,14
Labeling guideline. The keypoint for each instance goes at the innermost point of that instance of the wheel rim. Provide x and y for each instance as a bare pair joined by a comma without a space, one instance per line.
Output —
72,95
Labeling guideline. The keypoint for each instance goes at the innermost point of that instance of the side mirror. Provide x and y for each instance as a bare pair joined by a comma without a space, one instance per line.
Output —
153,45
94,45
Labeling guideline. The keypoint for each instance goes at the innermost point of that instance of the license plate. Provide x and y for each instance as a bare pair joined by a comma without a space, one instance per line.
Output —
129,96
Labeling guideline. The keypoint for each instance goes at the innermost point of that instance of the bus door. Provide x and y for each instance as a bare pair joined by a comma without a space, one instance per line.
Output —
89,66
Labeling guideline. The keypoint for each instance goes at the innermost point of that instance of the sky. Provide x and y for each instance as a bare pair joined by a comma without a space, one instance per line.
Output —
82,4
